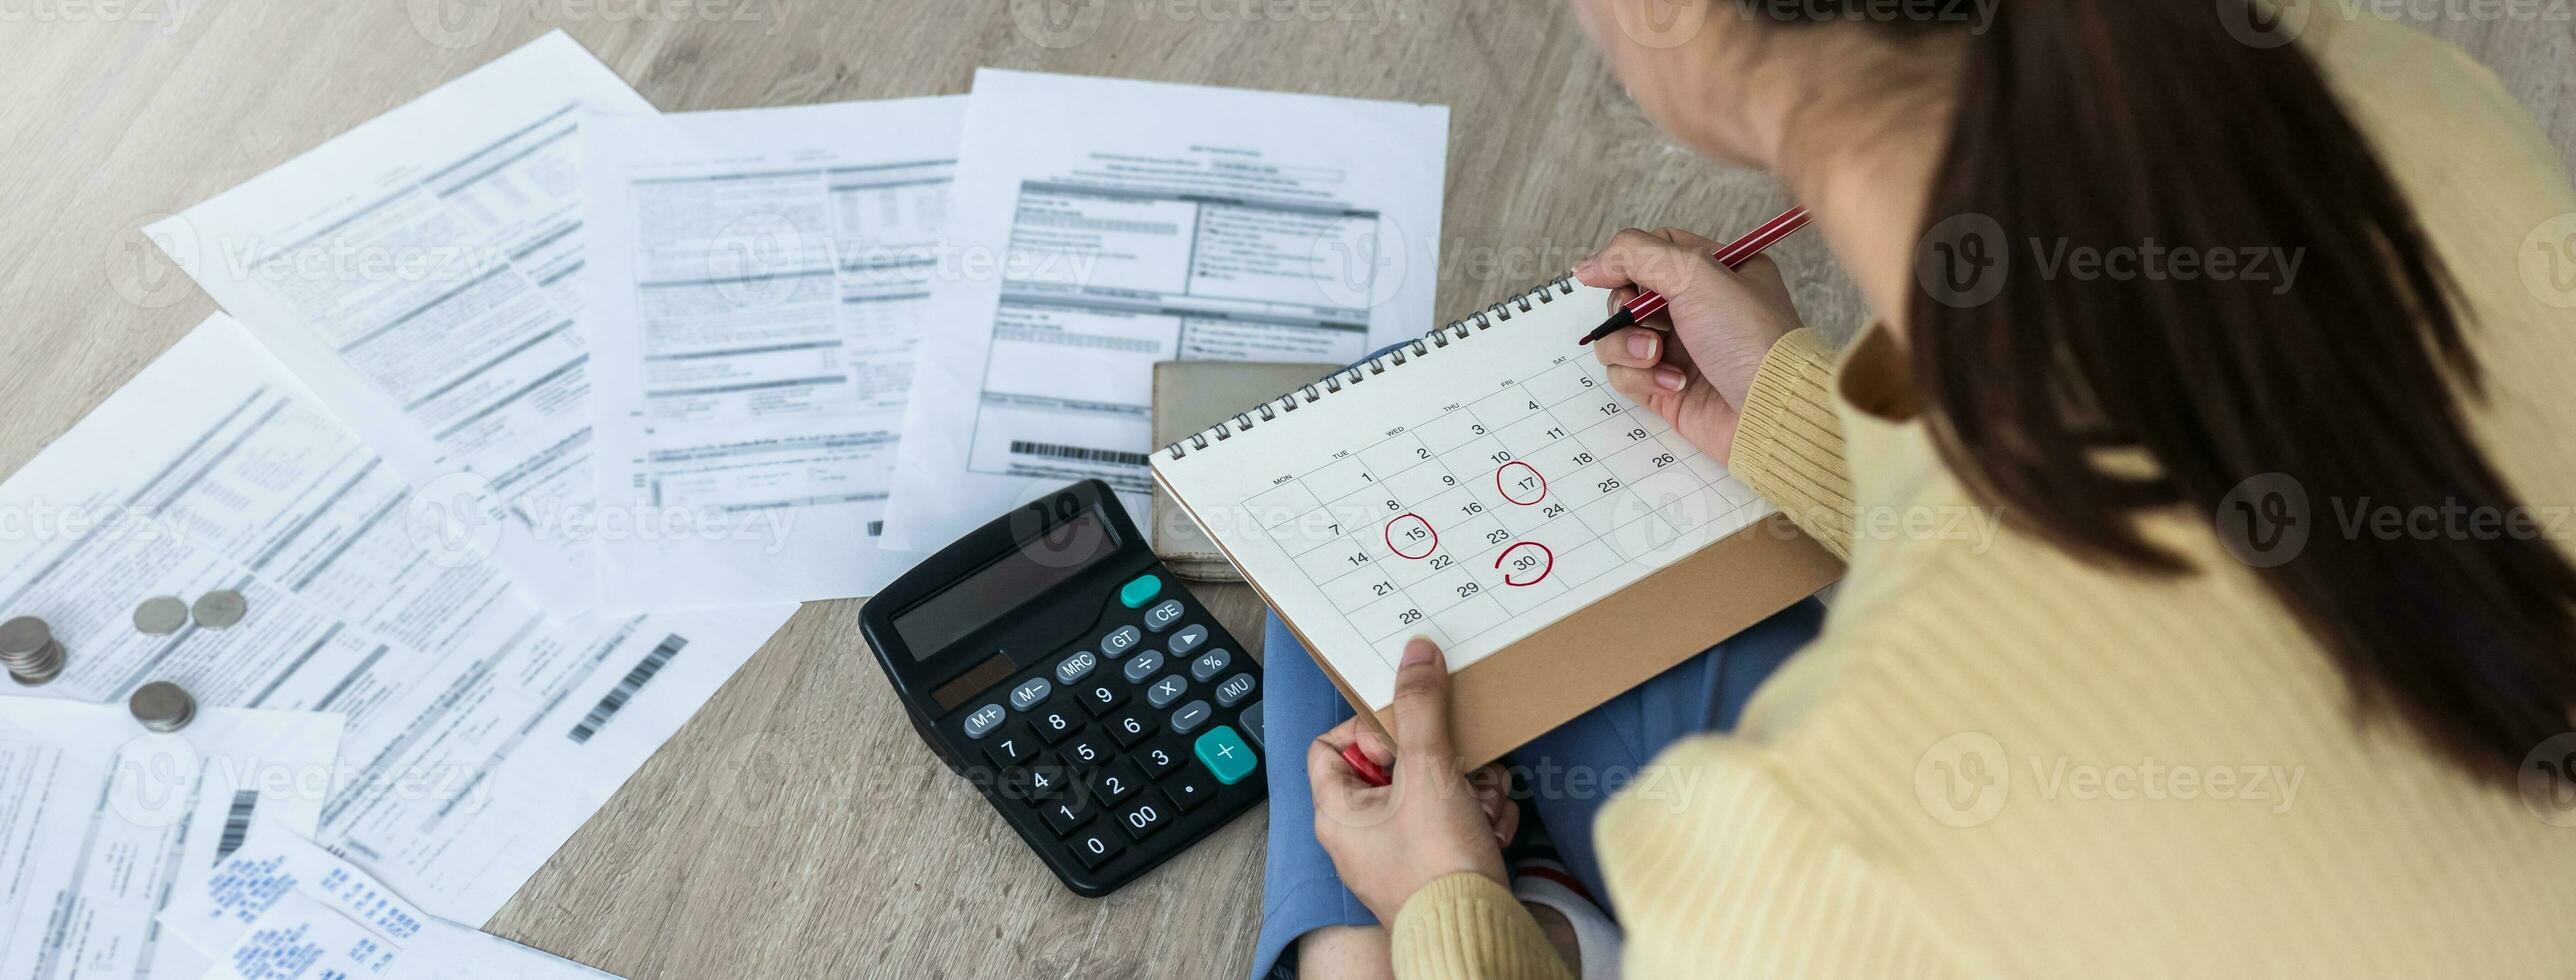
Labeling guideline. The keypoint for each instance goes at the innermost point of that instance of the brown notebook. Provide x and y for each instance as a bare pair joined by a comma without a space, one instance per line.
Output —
1190,396
1484,487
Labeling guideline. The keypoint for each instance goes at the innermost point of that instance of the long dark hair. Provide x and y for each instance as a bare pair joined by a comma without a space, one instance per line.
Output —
2099,122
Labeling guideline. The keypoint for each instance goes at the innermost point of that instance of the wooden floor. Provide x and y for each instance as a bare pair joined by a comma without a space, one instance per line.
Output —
798,827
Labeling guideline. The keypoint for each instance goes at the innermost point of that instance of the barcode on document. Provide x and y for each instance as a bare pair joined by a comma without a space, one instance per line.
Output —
626,688
236,824
1087,455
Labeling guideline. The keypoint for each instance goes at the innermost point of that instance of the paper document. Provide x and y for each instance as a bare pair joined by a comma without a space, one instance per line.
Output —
422,274
283,908
759,281
1103,225
481,730
105,822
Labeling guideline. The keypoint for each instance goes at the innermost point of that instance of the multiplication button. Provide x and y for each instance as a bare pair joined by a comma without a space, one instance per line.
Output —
1166,691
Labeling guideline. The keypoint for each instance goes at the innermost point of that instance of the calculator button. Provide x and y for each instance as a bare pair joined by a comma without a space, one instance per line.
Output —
1190,789
1188,639
983,721
1089,750
1067,812
1136,594
1142,820
1057,723
1117,782
1250,719
1159,758
1163,615
1131,728
1143,666
1225,755
1073,668
1190,717
1210,664
1037,784
1096,848
1012,748
1099,698
1117,643
1030,693
1166,691
1235,689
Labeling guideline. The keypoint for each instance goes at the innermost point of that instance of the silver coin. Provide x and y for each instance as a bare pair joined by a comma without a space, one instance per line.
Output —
24,636
220,608
161,615
162,706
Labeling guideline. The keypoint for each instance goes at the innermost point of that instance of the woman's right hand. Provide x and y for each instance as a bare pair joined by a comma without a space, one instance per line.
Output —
1694,363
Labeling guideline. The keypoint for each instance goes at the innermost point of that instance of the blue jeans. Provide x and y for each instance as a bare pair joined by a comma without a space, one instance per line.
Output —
1571,771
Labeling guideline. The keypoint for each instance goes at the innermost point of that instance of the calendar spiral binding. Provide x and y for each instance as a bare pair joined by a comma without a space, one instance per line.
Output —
1461,329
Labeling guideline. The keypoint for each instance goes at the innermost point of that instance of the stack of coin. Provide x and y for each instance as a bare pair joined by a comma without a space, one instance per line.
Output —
162,706
28,649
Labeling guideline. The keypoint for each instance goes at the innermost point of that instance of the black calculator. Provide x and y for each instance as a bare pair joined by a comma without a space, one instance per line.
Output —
1054,662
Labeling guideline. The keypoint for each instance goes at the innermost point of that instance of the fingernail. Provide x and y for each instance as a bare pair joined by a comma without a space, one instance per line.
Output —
1668,378
1420,650
1642,345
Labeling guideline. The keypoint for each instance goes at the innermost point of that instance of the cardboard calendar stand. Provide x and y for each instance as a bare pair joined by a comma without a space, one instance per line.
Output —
1524,690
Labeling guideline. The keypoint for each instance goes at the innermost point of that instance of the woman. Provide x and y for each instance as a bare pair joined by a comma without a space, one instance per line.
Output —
2281,609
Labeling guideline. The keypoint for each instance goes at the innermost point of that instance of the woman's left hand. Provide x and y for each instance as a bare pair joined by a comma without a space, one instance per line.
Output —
1389,841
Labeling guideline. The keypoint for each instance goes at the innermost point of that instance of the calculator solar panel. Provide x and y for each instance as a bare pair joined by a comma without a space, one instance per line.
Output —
1053,662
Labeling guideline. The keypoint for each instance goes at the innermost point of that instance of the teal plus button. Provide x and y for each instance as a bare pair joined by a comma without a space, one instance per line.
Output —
1223,752
1141,591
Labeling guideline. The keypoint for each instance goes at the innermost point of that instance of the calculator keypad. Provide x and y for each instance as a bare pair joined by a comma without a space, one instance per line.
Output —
1108,759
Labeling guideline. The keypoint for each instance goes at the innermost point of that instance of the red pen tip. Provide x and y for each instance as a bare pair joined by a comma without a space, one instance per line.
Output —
1360,763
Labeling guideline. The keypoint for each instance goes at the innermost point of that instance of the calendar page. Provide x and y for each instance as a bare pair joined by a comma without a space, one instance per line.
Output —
1473,491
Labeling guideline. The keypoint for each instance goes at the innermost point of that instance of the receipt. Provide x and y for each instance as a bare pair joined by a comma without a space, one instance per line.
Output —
482,731
283,908
760,280
104,823
422,273
1100,225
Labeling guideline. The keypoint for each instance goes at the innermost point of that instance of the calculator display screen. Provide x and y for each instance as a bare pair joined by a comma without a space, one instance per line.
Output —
974,602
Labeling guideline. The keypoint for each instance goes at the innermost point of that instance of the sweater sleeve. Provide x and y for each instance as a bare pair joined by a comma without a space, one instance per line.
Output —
1467,927
1789,442
1744,876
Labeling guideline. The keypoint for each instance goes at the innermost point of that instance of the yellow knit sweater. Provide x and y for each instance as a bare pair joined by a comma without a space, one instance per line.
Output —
1997,761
